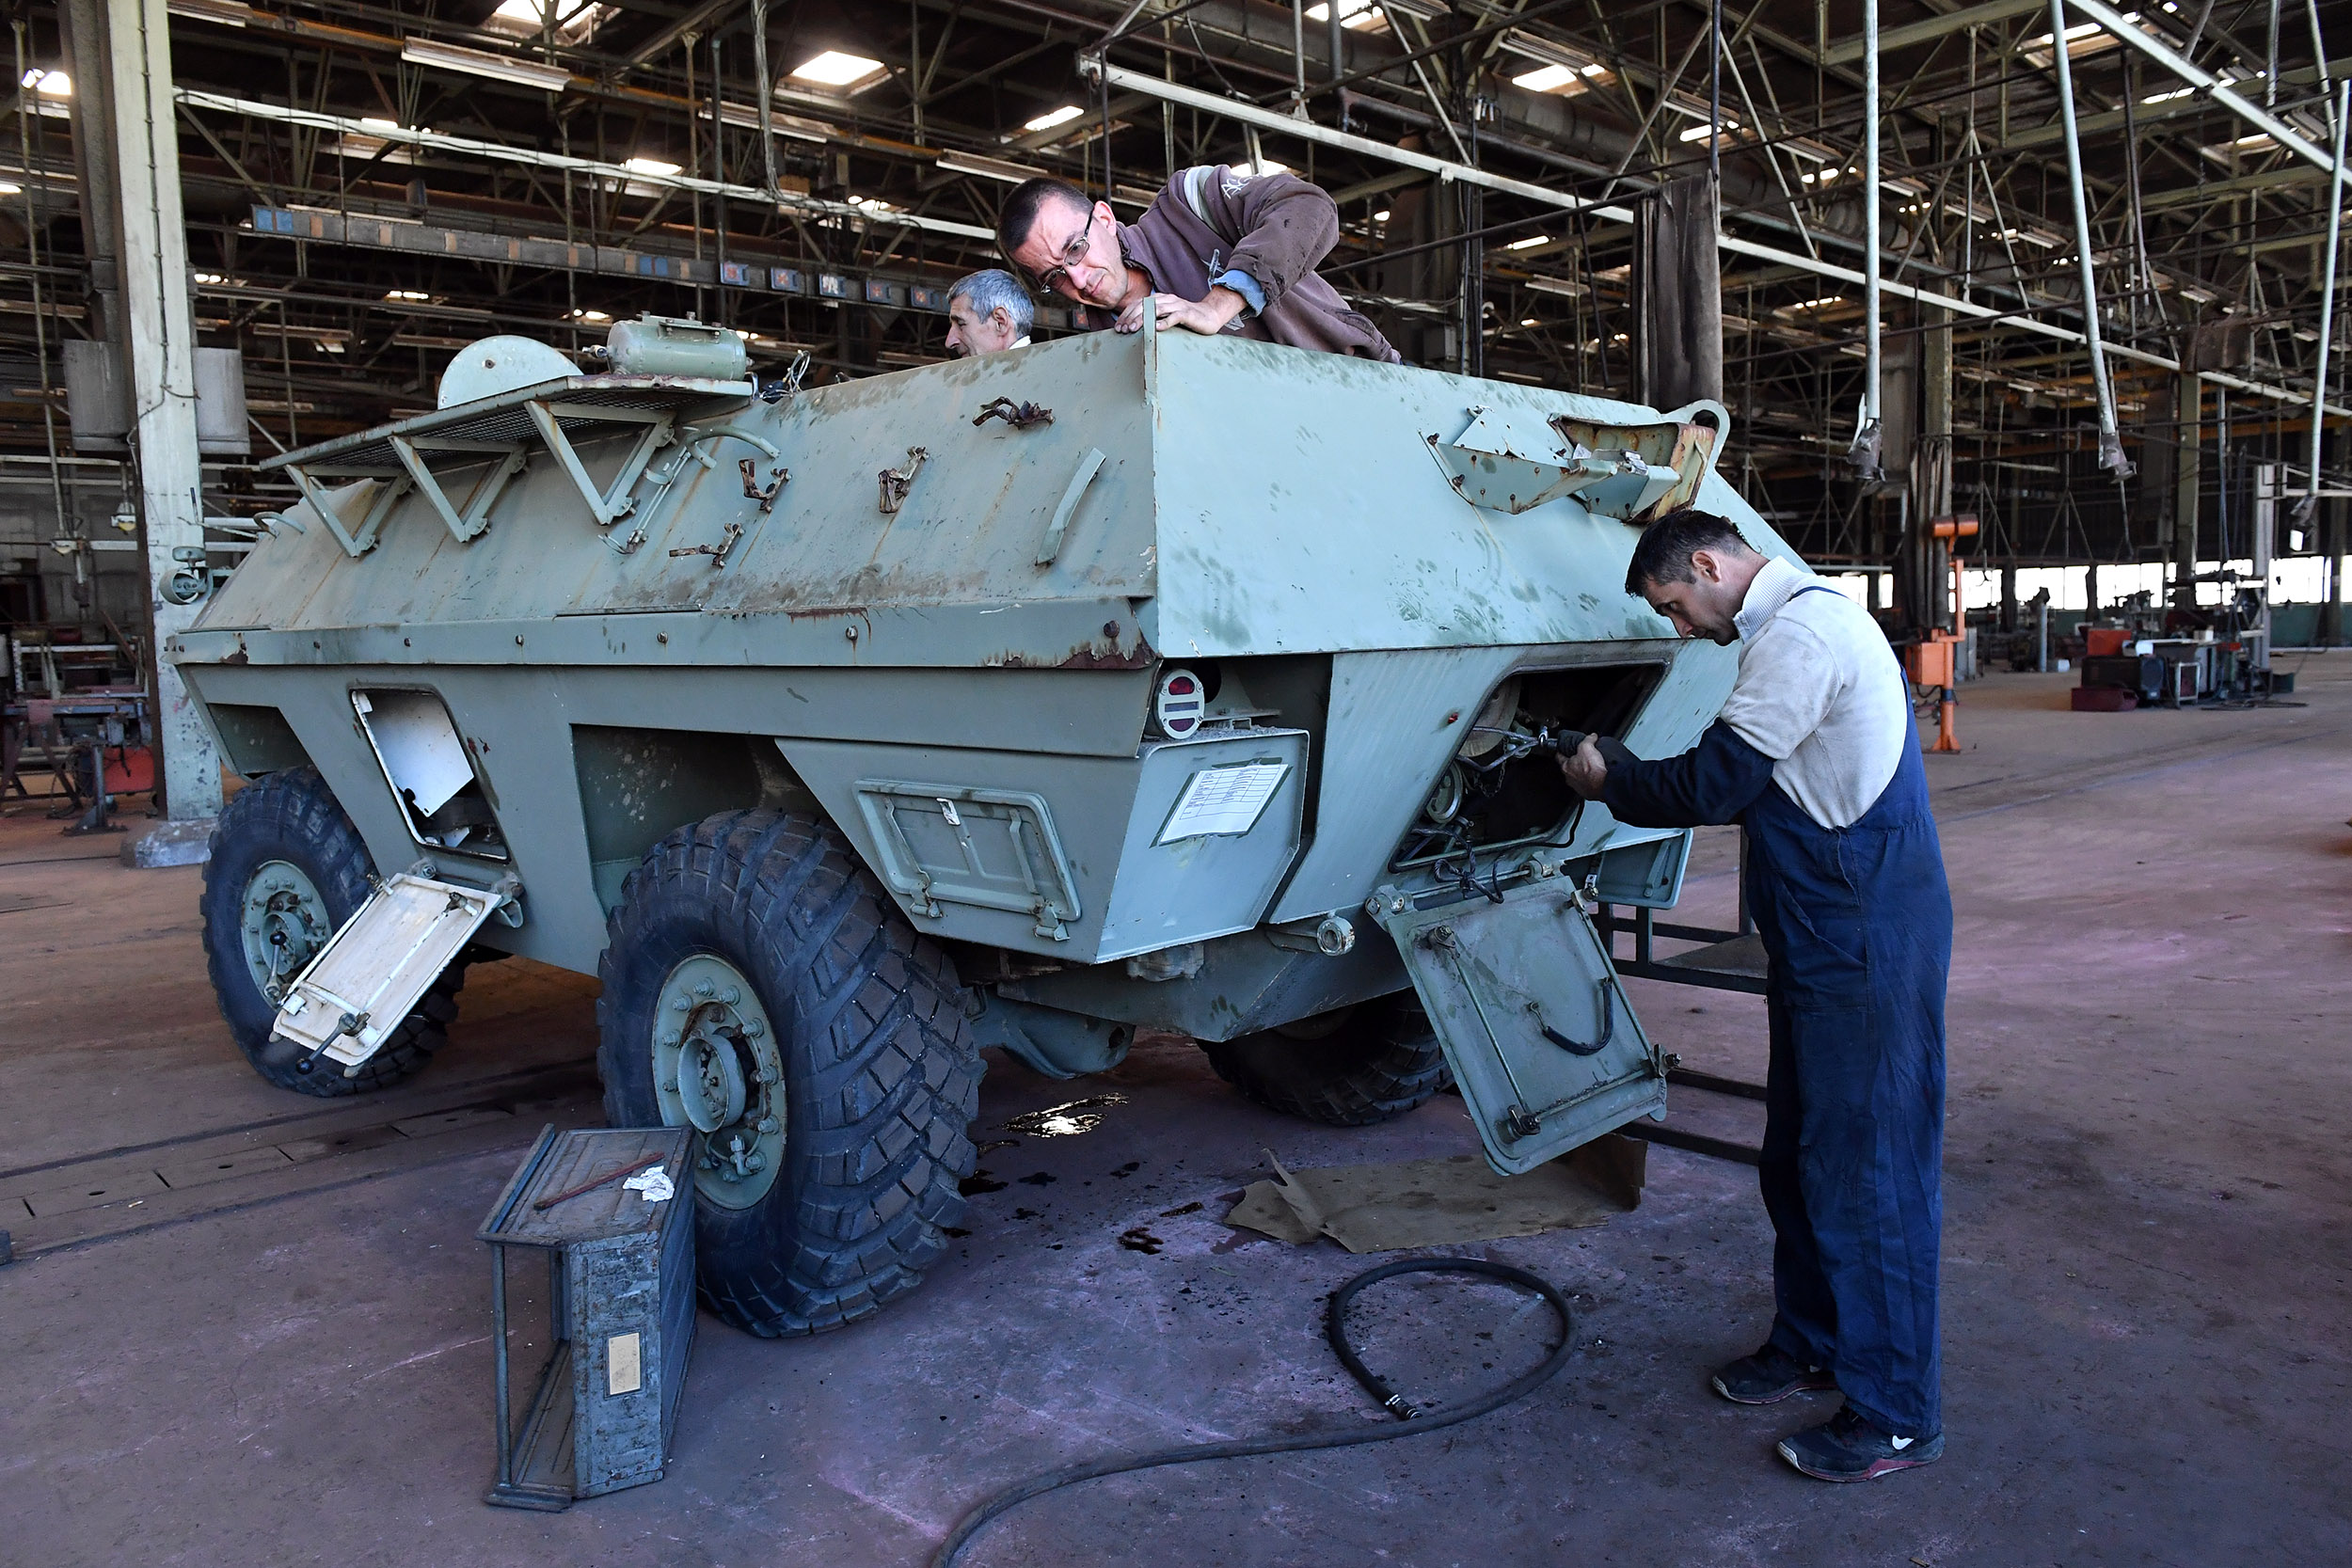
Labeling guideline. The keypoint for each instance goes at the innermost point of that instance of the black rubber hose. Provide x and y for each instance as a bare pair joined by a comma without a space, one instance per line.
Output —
1335,1324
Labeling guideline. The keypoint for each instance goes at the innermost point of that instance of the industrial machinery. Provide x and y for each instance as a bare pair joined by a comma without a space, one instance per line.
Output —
1025,701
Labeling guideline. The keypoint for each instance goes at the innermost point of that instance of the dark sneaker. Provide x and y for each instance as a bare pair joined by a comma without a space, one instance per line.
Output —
1848,1447
1769,1376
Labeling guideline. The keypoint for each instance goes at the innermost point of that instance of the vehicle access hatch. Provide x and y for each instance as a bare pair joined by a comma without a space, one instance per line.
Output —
1525,1001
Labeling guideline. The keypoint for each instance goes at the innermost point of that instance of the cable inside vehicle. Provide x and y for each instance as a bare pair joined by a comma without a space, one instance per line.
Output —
1414,1418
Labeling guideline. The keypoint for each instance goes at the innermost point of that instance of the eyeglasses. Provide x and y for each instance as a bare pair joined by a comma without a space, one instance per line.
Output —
1072,254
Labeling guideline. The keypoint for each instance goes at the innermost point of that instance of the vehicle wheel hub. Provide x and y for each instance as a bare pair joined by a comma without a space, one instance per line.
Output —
283,925
717,1069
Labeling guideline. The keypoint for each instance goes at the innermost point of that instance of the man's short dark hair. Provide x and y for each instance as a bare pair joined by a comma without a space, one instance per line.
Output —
1663,554
1028,198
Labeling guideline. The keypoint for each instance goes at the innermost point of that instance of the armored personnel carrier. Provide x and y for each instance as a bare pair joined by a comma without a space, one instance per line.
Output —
1025,701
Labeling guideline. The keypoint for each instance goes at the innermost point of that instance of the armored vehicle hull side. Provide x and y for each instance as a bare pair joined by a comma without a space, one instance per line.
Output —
943,622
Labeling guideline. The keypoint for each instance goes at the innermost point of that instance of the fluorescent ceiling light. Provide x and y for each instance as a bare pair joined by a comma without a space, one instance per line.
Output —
1380,216
49,84
834,68
479,62
986,169
1569,287
228,13
1263,166
1530,243
1548,78
414,296
745,116
587,315
649,166
1700,133
1353,14
1822,304
208,277
1062,116
10,187
576,21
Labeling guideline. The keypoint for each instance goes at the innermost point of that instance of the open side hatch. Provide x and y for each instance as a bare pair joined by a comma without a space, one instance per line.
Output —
1544,1046
371,973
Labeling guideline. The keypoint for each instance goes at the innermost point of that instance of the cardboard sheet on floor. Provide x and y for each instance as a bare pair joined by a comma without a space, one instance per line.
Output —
1423,1203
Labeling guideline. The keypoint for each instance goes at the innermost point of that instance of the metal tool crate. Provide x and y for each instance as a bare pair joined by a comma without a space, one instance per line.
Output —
620,1317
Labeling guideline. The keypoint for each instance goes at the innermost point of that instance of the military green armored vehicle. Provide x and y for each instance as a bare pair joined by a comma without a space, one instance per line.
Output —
1025,700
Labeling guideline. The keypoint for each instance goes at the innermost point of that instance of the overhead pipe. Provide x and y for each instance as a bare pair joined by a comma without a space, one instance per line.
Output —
2326,303
1096,68
2110,440
540,158
2198,77
1799,261
1864,453
1266,120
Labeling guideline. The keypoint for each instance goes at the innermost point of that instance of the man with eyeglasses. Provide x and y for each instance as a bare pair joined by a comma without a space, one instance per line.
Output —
1220,250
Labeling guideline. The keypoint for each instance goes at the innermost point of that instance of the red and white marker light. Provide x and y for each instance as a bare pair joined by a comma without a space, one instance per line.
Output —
1177,704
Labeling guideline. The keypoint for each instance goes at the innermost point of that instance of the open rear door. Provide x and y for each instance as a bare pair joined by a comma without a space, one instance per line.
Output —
1525,1000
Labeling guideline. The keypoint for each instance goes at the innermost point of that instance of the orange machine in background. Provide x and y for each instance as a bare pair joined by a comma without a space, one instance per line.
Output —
1935,663
1932,665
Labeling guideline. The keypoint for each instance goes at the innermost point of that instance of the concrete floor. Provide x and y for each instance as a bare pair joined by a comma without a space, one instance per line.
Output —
2147,1254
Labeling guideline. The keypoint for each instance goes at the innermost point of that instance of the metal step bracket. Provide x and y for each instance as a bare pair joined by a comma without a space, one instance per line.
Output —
1545,1048
1511,460
499,433
373,971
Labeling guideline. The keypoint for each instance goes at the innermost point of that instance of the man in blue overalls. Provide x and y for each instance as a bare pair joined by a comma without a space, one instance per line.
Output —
1814,755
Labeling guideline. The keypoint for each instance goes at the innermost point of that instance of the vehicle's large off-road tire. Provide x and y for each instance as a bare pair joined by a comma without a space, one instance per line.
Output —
761,988
1352,1067
286,869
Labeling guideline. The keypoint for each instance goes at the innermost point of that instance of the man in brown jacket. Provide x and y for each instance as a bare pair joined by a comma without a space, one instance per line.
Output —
1218,250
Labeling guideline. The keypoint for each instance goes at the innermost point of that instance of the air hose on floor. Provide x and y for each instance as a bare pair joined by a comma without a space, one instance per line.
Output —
1335,1324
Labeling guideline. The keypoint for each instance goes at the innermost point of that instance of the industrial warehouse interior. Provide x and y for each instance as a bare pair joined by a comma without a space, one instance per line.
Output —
992,782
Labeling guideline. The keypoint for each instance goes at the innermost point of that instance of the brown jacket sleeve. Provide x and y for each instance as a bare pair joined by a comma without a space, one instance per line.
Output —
1281,227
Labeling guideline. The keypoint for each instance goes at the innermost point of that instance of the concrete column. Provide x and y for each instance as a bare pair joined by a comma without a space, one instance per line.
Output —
82,30
2189,401
2332,543
160,331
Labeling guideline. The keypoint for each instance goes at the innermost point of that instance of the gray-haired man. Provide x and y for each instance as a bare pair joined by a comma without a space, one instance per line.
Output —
987,312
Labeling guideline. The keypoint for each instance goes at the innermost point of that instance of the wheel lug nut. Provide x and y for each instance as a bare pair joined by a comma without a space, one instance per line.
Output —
731,995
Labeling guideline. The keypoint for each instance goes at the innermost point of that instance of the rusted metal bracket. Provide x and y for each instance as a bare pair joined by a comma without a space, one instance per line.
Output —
727,544
895,483
778,478
1021,415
